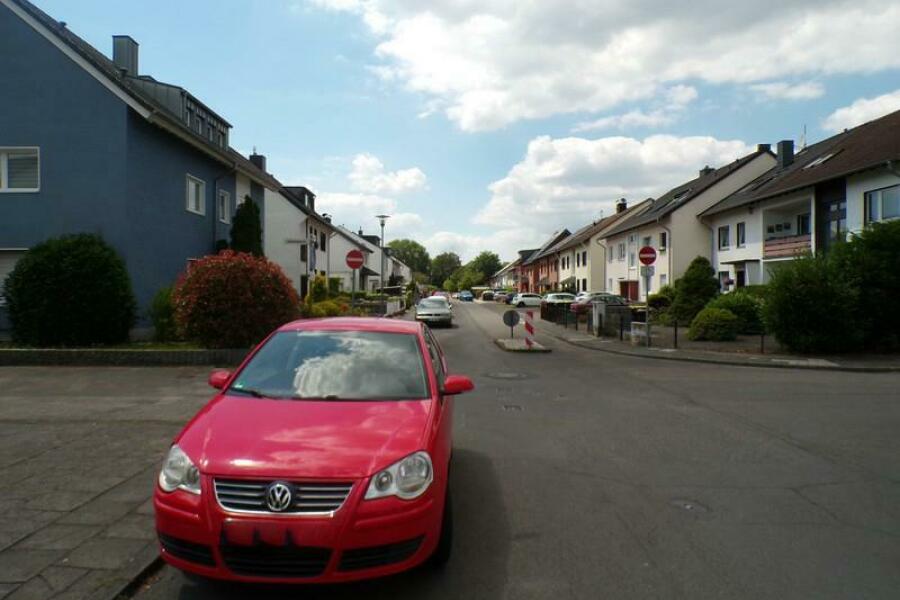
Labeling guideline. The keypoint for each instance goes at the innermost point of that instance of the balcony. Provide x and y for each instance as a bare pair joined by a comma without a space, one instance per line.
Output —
786,247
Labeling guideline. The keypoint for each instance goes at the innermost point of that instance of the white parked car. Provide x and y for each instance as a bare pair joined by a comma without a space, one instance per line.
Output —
560,298
434,310
522,300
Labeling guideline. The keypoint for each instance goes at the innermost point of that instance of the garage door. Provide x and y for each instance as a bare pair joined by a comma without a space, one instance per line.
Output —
8,260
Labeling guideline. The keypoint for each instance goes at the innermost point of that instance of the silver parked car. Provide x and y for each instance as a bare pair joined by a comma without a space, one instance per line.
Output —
434,310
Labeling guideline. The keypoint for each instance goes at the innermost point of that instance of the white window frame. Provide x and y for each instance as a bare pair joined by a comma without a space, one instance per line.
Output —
869,197
223,215
4,170
620,252
663,241
187,195
727,244
740,234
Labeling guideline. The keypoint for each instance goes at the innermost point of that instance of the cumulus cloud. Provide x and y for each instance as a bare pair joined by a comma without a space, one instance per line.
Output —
677,99
862,110
369,175
489,63
781,90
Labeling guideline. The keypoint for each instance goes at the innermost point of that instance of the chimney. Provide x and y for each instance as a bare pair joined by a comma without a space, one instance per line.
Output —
360,231
311,201
785,154
125,54
764,147
621,205
259,160
706,171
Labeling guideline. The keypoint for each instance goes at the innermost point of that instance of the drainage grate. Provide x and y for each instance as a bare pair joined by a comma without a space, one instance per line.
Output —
512,407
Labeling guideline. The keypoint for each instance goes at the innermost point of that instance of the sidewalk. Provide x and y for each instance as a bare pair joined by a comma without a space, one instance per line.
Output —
80,450
743,357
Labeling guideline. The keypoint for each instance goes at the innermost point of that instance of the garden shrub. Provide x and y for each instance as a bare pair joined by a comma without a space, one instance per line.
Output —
746,307
328,308
162,315
318,290
233,300
70,291
714,325
811,308
758,291
246,228
694,290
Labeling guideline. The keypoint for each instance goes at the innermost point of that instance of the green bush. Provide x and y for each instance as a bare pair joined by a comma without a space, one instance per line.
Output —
162,315
334,286
694,290
714,325
811,308
746,307
233,300
662,299
318,290
757,291
246,228
70,291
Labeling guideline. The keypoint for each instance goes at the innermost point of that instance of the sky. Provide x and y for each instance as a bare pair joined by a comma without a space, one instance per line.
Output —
490,124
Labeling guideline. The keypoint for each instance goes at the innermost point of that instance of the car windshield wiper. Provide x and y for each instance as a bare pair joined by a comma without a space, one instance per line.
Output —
326,398
250,391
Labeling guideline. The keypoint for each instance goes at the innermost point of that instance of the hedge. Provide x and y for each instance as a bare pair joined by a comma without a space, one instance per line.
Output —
715,325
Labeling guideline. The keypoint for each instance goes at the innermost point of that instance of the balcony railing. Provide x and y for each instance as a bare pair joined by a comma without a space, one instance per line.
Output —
786,247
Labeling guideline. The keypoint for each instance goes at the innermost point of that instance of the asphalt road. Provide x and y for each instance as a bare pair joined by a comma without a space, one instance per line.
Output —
581,474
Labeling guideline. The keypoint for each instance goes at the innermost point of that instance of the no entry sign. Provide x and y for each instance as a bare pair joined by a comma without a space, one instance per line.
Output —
355,259
647,255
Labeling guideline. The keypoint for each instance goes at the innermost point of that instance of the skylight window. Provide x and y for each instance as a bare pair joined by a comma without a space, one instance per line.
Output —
680,195
820,160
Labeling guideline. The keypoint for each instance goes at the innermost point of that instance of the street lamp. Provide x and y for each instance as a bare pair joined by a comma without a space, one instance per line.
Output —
381,220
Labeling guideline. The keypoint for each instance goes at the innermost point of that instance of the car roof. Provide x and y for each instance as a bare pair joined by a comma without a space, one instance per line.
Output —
380,325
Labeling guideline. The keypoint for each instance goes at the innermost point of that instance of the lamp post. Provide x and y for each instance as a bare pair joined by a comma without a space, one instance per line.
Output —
381,220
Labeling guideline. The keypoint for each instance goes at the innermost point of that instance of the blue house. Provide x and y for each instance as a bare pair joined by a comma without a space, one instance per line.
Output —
88,144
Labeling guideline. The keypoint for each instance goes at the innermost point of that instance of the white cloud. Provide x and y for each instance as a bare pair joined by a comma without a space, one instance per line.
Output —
489,63
567,182
781,90
677,99
862,110
368,175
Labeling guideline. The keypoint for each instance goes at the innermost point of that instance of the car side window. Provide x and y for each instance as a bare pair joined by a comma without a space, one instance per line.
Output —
436,361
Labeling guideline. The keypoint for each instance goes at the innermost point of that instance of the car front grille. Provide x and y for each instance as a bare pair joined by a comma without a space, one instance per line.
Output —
189,551
286,561
307,497
378,556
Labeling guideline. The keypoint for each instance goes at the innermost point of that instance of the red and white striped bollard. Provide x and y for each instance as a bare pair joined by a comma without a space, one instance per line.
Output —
529,329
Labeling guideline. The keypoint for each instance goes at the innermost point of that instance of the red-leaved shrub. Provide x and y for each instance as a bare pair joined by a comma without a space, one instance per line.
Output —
233,300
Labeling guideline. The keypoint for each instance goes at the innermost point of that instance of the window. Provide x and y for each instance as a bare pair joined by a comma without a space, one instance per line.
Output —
724,280
609,286
803,224
724,237
584,285
741,234
609,254
578,259
304,252
663,241
322,241
195,195
621,250
223,206
883,204
584,258
20,170
631,259
632,238
663,280
648,241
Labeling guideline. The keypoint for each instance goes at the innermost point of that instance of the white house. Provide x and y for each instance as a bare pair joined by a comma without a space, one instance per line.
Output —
807,201
342,242
670,225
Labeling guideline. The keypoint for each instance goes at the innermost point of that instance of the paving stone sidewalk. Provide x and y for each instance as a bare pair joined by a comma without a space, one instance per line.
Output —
79,451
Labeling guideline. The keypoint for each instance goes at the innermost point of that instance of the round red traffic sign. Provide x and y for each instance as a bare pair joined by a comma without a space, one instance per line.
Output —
355,259
647,255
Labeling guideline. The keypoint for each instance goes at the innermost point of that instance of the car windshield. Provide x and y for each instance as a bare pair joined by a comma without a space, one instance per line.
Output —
336,365
433,303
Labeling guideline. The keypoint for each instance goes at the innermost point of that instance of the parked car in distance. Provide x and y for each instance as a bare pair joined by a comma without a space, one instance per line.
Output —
302,470
466,296
454,295
487,295
584,303
559,298
442,294
435,310
500,296
526,299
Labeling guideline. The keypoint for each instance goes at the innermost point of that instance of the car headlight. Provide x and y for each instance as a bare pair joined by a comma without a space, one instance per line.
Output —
178,472
407,479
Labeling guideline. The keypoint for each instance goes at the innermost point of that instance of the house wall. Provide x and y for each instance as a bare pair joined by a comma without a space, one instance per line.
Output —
857,186
581,268
628,269
285,234
597,264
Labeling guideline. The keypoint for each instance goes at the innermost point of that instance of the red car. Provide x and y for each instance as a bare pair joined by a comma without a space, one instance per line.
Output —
324,458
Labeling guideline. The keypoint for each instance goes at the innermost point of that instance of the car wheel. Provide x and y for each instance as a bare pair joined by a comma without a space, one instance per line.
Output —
521,305
445,543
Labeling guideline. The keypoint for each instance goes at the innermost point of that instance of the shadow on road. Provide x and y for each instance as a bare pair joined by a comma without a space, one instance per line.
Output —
476,569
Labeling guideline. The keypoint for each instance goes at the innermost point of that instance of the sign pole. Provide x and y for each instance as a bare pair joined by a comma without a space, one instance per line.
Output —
353,289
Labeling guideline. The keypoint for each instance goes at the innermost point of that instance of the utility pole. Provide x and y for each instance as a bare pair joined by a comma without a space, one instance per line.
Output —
381,220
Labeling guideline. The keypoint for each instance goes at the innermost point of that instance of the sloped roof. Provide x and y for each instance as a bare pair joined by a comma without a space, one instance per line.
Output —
591,229
681,195
545,249
863,147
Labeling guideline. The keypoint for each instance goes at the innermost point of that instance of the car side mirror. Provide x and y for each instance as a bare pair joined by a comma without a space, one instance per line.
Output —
457,384
219,378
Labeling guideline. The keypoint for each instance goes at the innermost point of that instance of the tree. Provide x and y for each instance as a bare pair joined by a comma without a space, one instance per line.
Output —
469,279
246,230
696,287
487,263
412,253
443,266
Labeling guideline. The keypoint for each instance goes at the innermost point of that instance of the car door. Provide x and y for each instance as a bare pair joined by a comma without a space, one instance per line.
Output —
442,430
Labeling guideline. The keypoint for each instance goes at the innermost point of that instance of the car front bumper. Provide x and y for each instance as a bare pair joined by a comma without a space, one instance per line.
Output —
435,318
363,539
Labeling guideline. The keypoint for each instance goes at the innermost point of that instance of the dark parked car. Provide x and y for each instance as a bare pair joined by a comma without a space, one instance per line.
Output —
488,295
583,303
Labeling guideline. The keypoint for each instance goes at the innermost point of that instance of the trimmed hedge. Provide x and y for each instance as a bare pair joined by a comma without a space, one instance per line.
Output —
694,290
714,325
747,308
233,300
70,291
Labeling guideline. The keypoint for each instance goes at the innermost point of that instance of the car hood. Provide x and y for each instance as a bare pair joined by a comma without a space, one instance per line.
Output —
254,437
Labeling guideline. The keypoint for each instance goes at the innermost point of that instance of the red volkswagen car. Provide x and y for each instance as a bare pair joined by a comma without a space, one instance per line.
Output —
323,458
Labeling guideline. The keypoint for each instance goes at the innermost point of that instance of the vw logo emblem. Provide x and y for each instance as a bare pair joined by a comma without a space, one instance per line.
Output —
278,496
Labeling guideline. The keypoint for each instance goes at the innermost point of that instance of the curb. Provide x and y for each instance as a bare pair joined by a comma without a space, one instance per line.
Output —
119,358
537,349
726,361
